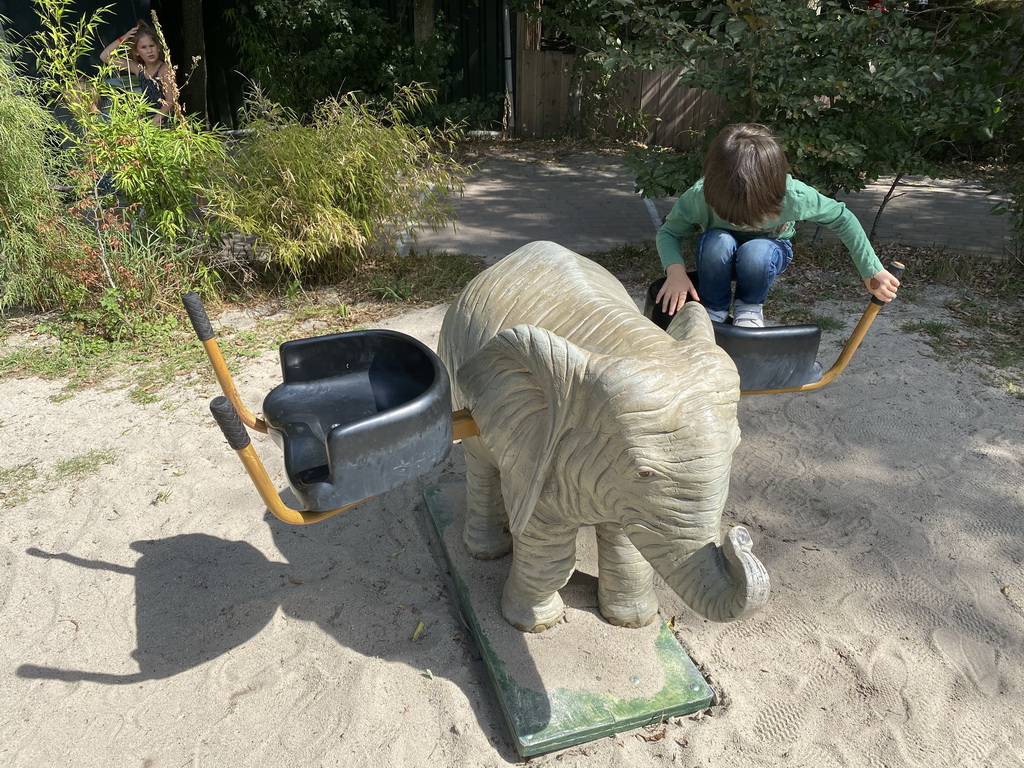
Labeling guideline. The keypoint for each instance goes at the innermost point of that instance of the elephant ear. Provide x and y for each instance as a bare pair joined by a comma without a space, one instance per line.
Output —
519,388
691,324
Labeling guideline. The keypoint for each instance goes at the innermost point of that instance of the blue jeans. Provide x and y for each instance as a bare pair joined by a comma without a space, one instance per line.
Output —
753,262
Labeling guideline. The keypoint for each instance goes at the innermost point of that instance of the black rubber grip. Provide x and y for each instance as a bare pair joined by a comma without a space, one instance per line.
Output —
232,427
197,314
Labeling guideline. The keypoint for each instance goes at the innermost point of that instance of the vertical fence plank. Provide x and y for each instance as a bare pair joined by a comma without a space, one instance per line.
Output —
678,114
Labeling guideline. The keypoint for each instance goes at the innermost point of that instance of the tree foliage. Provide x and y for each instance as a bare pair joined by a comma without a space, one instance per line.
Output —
852,93
302,52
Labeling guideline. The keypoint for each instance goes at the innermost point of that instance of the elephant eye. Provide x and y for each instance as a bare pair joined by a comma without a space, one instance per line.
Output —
644,473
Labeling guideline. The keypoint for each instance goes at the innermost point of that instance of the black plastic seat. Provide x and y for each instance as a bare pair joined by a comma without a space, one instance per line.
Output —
357,414
776,357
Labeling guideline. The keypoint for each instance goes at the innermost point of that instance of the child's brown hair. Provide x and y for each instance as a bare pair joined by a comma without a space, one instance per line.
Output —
745,175
144,30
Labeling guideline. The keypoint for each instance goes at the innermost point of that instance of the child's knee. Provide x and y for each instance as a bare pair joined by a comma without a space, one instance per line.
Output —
761,256
718,246
720,238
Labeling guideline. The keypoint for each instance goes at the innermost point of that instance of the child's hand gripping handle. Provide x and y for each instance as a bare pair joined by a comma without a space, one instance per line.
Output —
896,269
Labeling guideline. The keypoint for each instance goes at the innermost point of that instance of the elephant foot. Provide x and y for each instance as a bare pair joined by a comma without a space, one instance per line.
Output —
629,612
630,624
531,617
486,541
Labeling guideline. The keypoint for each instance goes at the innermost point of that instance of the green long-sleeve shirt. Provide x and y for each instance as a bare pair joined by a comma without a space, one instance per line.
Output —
801,203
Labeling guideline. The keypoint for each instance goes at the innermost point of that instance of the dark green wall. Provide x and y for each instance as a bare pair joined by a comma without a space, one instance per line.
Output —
477,64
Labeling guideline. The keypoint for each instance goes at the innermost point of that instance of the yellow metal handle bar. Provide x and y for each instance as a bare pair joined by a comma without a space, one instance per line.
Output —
227,386
873,308
231,425
204,330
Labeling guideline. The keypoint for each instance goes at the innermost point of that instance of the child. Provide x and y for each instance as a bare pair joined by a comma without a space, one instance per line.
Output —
146,59
745,208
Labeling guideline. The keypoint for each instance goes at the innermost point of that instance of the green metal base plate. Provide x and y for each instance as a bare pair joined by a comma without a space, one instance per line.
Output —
580,680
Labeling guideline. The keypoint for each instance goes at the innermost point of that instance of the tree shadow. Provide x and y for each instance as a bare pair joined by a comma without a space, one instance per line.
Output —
198,597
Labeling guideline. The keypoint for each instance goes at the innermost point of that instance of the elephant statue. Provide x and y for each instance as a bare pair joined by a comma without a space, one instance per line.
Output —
589,414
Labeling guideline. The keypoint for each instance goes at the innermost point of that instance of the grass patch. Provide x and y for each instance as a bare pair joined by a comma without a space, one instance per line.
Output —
85,361
631,264
939,336
431,277
15,484
988,312
983,278
999,327
148,363
142,396
827,323
82,466
1014,389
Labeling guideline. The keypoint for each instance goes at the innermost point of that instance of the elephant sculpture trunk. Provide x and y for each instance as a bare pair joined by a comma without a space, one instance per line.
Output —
589,414
722,582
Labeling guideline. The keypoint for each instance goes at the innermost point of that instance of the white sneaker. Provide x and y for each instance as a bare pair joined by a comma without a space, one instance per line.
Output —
718,315
748,315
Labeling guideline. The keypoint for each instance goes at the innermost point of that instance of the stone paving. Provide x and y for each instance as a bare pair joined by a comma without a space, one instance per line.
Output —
587,203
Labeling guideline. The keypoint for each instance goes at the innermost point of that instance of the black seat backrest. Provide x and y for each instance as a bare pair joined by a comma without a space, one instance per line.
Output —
358,413
776,357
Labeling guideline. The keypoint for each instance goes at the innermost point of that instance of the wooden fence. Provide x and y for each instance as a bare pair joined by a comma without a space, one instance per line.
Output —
543,93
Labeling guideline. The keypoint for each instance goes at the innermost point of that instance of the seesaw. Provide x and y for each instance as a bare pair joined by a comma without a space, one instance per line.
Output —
777,359
362,412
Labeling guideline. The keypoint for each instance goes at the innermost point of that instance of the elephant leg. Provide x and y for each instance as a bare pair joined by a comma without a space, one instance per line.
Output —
486,533
543,559
625,580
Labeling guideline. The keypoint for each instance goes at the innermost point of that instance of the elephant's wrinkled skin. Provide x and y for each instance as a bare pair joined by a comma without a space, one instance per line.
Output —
591,415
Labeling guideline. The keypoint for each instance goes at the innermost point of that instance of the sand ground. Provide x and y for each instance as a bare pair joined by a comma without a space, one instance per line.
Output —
154,614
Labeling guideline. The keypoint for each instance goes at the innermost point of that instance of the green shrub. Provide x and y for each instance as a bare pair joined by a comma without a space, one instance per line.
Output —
476,114
28,201
125,238
161,170
663,172
321,198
